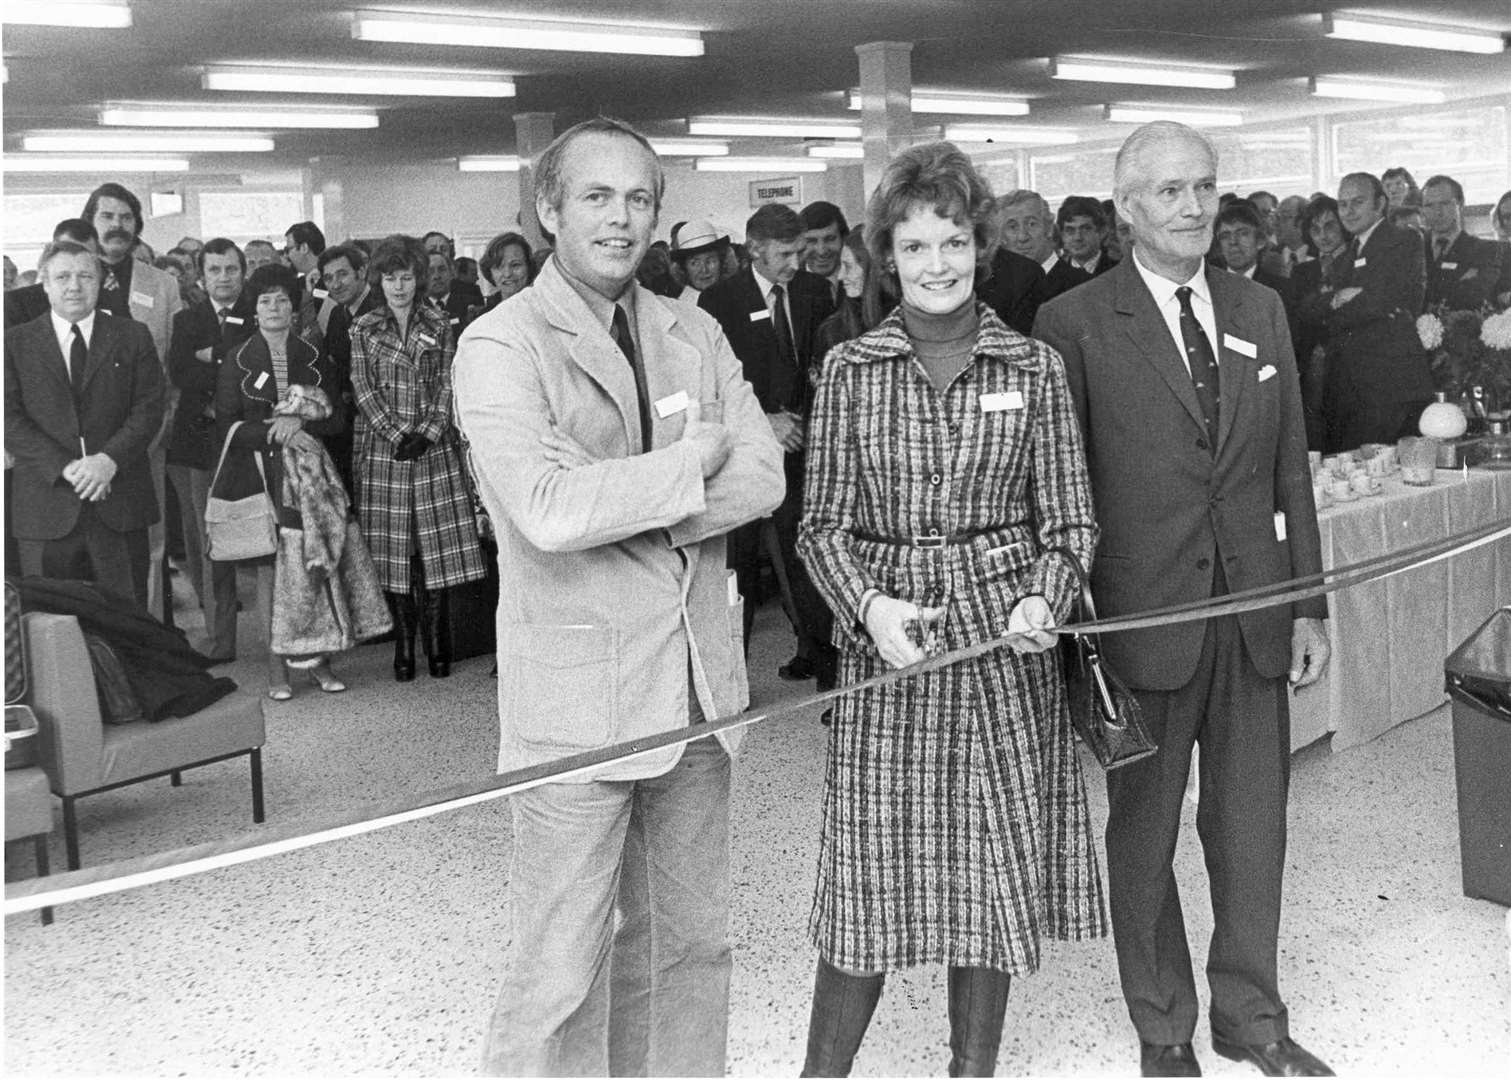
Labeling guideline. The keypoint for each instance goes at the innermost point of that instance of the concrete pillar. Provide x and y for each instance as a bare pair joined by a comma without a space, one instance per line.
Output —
886,113
533,132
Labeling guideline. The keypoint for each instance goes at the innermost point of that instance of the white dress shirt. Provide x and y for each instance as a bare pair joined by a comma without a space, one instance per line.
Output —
766,287
1169,305
64,331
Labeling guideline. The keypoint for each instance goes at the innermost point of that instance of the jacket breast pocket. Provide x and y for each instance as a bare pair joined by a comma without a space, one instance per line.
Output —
566,686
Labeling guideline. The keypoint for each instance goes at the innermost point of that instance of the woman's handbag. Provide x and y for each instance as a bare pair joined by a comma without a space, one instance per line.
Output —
240,528
1105,713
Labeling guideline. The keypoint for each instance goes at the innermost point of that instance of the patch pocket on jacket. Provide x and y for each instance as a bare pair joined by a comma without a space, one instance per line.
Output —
740,686
1009,558
567,686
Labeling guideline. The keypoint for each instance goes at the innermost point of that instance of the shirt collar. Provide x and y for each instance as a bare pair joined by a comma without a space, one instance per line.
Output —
1164,289
1249,273
1363,237
601,306
64,329
356,305
1049,263
1090,265
765,284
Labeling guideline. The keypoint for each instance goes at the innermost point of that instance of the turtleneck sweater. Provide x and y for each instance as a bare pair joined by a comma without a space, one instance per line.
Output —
943,343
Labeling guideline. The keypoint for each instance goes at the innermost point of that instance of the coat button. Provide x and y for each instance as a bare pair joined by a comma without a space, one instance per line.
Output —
1203,564
1201,444
936,479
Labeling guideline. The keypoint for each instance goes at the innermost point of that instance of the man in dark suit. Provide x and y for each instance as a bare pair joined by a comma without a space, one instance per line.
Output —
1240,238
26,303
1378,379
1013,289
344,270
1185,386
440,295
1083,225
1463,271
204,334
770,313
469,292
824,231
84,397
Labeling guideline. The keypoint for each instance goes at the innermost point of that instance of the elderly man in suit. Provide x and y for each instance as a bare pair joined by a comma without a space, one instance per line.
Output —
770,312
1378,378
615,442
135,290
1463,271
83,399
1186,389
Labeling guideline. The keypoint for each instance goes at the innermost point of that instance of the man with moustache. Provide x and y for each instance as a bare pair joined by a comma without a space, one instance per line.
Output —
1378,377
1186,388
136,290
83,400
204,334
770,312
614,442
824,232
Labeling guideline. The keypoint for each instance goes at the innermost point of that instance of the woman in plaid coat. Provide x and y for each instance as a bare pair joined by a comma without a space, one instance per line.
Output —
413,494
944,462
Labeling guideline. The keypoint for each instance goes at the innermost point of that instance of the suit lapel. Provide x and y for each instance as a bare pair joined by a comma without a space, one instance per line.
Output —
672,366
47,355
1233,369
591,348
1146,328
102,346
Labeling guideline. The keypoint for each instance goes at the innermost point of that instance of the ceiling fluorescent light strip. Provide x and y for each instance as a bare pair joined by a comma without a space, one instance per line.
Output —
924,101
114,164
492,32
760,164
1117,71
393,82
152,114
150,142
842,151
1380,31
673,146
488,163
1003,133
95,14
1144,114
1360,90
772,127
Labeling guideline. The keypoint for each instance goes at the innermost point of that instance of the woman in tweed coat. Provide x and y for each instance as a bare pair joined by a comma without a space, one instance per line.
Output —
944,462
412,493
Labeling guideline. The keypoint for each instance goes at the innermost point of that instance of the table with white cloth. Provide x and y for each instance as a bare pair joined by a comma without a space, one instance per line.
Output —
1391,636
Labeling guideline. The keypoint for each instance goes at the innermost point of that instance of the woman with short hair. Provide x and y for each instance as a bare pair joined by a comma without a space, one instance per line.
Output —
508,265
413,494
945,466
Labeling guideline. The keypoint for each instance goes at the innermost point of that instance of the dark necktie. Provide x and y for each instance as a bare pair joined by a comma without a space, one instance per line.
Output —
1203,364
1440,248
784,346
78,356
620,331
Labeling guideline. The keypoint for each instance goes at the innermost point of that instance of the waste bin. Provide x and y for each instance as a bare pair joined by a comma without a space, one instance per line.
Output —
1479,682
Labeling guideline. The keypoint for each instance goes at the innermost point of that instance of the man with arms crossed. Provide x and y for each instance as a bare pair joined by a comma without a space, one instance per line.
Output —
1186,389
614,441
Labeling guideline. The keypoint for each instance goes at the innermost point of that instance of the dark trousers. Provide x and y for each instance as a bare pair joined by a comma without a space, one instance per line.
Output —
92,551
1241,721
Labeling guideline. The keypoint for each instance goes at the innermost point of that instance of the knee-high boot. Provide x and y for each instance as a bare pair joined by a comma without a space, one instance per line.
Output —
842,1008
436,620
401,606
978,1003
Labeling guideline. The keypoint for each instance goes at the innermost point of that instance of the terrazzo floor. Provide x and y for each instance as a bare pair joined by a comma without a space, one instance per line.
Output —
381,955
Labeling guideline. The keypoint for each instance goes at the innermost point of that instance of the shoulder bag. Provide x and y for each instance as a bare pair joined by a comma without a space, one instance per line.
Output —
240,528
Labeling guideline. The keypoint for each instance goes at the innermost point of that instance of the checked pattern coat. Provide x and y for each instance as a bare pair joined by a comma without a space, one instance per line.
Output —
955,825
404,385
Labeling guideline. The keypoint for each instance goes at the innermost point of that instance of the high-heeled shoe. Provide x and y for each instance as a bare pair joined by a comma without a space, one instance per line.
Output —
322,676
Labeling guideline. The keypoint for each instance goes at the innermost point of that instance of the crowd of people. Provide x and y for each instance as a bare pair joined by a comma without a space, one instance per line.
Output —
919,426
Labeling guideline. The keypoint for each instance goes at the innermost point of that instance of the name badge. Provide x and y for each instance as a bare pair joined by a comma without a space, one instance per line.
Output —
262,380
757,316
1449,266
1240,346
454,320
672,404
1267,372
426,341
141,298
1360,263
1279,525
319,294
1008,399
235,320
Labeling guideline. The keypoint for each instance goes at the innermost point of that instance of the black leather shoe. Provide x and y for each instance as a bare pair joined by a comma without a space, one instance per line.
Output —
1283,1058
798,669
1176,1060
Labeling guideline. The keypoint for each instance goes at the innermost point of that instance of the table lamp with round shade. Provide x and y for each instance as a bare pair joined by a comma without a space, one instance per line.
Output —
1443,419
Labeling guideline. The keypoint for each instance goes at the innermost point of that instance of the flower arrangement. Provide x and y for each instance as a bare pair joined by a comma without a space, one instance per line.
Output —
1468,349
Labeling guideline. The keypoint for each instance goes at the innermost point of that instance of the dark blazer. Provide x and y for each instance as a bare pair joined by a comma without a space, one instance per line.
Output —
1287,292
338,343
455,307
1374,351
1168,505
1014,289
25,304
193,440
119,412
1063,277
735,299
1467,276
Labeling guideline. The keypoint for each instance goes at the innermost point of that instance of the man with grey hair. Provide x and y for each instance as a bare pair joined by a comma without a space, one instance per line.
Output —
83,400
1026,227
614,442
1186,387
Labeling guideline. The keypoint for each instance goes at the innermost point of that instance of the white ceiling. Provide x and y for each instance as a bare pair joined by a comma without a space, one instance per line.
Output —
763,57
